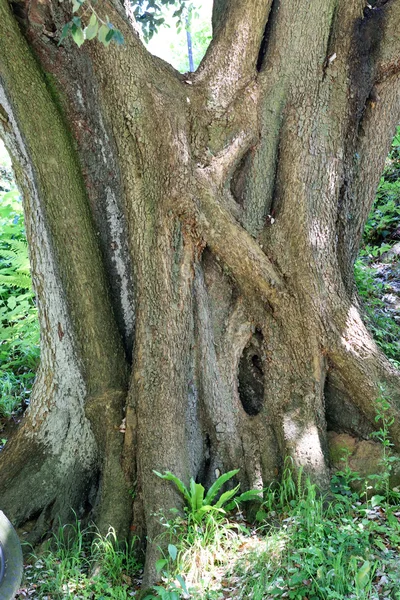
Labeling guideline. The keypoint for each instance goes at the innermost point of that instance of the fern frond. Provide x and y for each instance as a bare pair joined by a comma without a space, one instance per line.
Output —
16,280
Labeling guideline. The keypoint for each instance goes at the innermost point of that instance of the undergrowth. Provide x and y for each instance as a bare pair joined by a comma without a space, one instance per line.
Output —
19,331
377,272
80,563
19,334
302,545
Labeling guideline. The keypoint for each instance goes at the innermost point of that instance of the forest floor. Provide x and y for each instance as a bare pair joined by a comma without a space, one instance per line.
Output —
300,545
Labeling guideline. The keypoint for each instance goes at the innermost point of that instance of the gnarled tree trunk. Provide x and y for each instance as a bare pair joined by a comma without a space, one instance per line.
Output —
192,242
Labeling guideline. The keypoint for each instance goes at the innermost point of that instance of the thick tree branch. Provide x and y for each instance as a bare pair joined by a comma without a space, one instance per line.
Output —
289,80
136,64
219,14
239,252
230,62
236,248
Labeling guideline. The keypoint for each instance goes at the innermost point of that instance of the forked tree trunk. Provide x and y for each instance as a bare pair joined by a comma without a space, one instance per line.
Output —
192,241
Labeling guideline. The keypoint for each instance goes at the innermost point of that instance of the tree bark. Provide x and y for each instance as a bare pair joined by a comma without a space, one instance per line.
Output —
192,243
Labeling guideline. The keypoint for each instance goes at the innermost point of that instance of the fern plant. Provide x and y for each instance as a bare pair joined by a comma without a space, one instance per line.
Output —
199,503
19,331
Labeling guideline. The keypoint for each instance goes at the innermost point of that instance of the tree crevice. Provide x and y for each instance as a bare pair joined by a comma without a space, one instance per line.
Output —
251,376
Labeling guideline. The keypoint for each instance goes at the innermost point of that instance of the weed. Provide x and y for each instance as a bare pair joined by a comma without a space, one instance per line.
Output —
199,503
82,564
382,479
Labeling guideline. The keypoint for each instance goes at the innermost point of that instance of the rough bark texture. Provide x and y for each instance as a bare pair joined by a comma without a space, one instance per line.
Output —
192,242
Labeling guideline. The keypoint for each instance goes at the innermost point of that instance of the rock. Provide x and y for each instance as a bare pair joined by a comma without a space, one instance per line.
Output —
363,457
391,254
341,445
390,298
392,302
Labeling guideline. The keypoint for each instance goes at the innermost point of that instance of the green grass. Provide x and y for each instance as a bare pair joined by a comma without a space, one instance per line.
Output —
80,563
323,548
304,545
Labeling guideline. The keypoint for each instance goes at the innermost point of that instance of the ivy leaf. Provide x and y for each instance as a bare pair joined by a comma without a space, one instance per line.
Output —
93,20
77,35
76,4
64,32
102,35
118,37
92,29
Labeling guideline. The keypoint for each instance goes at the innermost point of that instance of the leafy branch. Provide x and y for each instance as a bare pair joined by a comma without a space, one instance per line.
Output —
96,27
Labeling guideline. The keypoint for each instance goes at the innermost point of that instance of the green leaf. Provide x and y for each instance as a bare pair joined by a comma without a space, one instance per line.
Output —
376,500
245,497
92,29
196,495
11,302
118,37
102,35
182,583
172,551
297,578
217,485
362,576
227,496
92,20
168,476
64,32
261,515
378,542
77,35
210,508
76,4
160,564
109,35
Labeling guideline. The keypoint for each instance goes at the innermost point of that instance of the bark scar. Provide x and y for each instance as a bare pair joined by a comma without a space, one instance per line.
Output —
60,331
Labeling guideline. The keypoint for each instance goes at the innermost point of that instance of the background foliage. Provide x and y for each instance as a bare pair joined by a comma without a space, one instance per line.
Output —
377,270
19,332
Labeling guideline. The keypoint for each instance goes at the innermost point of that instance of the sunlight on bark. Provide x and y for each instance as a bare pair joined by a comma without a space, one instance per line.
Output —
356,338
319,234
306,445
